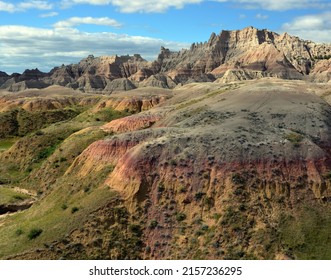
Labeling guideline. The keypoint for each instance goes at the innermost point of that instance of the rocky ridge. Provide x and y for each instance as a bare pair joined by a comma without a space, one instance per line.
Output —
230,56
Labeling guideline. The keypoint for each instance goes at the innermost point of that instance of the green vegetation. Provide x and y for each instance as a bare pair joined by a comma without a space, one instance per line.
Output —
45,153
34,233
153,224
101,116
5,144
294,138
307,235
19,122
8,195
197,100
74,209
180,217
319,57
64,206
19,232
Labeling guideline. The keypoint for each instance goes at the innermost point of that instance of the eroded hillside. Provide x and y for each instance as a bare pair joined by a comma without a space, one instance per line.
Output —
204,171
229,56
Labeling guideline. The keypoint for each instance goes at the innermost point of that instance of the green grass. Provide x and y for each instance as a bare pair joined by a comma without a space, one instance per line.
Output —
8,195
102,116
5,144
307,235
294,138
197,100
48,215
34,233
19,122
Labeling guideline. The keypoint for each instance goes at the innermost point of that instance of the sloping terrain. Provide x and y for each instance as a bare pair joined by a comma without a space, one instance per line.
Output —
203,171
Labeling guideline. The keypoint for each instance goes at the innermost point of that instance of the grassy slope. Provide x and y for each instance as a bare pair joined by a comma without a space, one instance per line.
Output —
38,161
8,195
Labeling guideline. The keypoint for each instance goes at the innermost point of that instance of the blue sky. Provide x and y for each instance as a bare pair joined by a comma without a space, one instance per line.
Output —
44,34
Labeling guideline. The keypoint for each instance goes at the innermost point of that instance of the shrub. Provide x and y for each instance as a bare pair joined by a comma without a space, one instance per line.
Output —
64,206
180,217
199,195
160,188
182,189
135,229
34,233
153,224
294,138
74,209
18,197
19,232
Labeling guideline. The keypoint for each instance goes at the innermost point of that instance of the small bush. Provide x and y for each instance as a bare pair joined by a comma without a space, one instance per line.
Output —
34,233
19,232
160,188
63,159
199,195
64,206
294,138
182,189
135,229
18,197
180,217
74,209
153,224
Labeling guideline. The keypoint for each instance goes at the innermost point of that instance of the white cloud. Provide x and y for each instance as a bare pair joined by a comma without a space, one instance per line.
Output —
26,5
261,16
150,6
6,7
132,6
313,27
75,21
280,5
35,4
25,47
51,14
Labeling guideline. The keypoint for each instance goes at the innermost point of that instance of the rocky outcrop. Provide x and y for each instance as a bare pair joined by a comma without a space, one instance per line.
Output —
255,53
132,123
321,72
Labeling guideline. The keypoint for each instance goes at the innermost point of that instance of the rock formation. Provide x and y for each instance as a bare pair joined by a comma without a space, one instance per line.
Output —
232,55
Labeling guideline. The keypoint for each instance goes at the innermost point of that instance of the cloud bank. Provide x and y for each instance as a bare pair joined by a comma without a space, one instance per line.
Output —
25,47
24,6
315,27
157,6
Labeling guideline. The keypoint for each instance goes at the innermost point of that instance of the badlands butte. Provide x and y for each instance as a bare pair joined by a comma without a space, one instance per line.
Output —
220,151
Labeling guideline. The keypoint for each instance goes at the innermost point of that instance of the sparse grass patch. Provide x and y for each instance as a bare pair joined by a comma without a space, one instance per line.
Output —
294,138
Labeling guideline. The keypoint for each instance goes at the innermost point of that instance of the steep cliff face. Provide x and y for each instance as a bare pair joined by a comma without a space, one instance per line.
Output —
249,51
276,55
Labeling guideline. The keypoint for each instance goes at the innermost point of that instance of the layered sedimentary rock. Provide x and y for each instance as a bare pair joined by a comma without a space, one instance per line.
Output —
248,54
